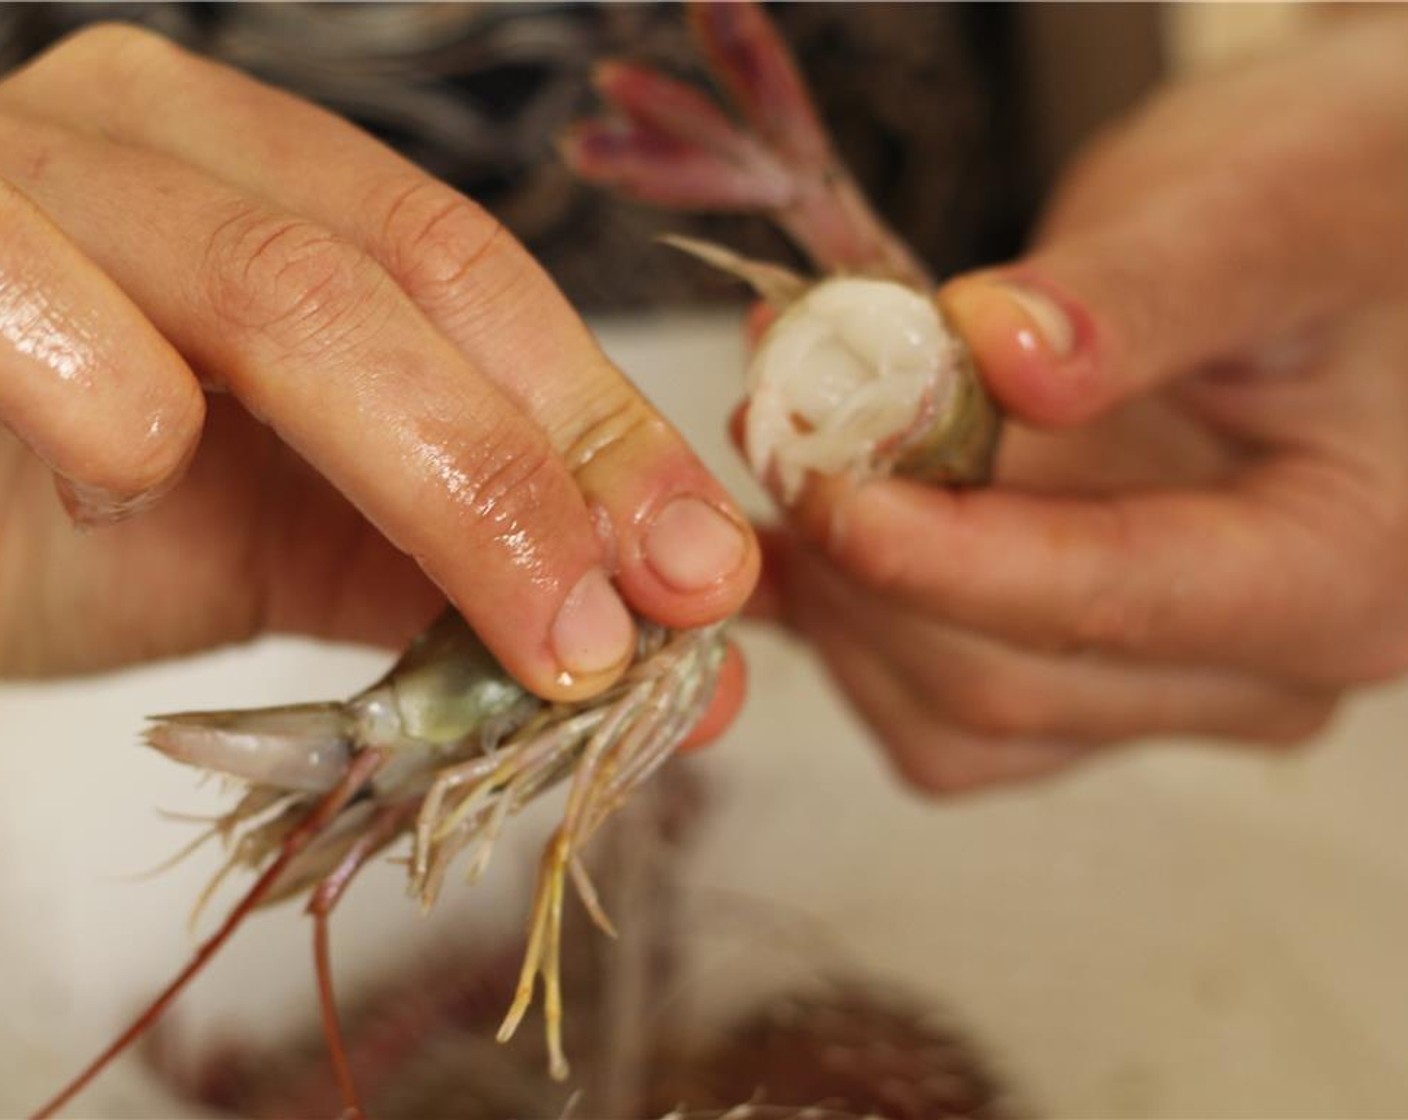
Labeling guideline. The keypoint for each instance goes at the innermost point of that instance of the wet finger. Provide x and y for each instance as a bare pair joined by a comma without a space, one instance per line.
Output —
681,551
315,339
85,380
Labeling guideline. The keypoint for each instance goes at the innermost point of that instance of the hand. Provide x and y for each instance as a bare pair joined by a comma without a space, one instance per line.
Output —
1201,522
402,408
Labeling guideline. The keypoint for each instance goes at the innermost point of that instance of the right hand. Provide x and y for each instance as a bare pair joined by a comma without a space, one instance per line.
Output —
438,418
1200,525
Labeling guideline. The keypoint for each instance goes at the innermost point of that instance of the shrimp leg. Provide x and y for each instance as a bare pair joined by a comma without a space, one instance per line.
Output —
545,926
361,770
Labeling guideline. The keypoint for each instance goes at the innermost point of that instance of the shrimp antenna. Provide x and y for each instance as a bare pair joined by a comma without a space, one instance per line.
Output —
322,814
384,828
779,286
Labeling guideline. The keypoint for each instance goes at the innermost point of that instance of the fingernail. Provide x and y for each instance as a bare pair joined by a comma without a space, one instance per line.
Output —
1036,321
593,631
692,545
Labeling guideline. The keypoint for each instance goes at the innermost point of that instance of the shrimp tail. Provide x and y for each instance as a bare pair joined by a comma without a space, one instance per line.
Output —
664,143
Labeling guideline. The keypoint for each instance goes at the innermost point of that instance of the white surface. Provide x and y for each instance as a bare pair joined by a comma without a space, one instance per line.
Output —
1179,933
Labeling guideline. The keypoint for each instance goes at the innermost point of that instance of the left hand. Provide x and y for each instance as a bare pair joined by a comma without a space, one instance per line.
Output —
297,385
1200,524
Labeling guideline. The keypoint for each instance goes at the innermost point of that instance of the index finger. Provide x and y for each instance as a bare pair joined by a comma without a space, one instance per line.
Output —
677,545
315,339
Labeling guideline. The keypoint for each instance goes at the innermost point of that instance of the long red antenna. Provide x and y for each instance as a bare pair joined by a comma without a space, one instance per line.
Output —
383,829
334,801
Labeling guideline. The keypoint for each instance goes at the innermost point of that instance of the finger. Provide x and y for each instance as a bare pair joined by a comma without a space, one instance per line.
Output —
1214,578
315,339
1206,262
769,603
85,380
933,756
993,690
682,552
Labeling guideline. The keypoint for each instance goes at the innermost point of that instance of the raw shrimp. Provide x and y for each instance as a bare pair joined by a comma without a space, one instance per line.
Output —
446,747
859,374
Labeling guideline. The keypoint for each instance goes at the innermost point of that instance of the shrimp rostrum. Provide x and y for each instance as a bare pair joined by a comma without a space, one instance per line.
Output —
858,375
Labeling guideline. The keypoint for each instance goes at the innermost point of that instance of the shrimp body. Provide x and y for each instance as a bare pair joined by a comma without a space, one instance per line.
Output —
461,747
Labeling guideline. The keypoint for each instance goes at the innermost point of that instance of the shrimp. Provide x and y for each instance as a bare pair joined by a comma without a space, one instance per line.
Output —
858,375
444,749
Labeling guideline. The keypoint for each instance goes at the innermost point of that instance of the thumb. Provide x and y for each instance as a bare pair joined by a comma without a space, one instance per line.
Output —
1202,273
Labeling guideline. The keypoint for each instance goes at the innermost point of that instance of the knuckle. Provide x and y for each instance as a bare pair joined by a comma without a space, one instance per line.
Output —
615,419
289,279
512,481
433,238
121,58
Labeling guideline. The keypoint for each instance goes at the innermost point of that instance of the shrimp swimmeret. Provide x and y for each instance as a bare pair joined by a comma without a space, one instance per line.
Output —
857,375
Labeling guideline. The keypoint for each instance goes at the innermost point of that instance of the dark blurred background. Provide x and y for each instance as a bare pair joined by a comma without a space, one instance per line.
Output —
951,115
